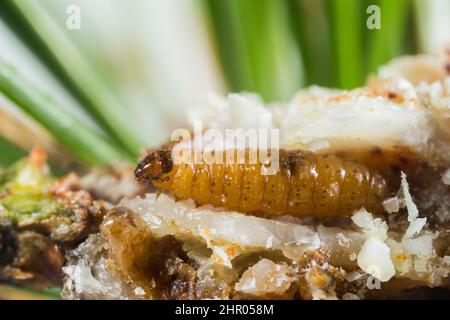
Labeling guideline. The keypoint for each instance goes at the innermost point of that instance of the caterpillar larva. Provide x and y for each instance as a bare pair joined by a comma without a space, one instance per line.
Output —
307,184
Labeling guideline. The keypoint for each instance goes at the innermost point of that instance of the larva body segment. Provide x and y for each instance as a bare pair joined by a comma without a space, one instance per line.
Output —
252,189
217,185
307,184
276,192
182,178
231,195
301,183
328,184
201,182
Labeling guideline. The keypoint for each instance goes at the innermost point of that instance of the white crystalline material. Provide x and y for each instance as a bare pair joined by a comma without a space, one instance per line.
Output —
435,95
415,224
375,259
421,246
413,212
63,229
183,219
446,259
237,234
265,277
405,88
244,110
213,129
446,177
352,276
350,296
139,291
221,256
247,285
363,219
415,227
371,226
269,244
317,117
353,116
374,256
343,241
391,205
353,256
82,274
249,112
88,278
420,266
413,69
414,243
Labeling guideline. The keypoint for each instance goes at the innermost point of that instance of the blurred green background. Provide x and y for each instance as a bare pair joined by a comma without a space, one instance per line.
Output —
98,80
122,80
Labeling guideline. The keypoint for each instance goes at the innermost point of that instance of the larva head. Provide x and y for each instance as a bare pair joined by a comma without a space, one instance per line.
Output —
154,166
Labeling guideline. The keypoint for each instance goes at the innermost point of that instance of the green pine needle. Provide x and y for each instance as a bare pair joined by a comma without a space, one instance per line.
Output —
256,46
72,133
388,41
46,39
346,27
9,152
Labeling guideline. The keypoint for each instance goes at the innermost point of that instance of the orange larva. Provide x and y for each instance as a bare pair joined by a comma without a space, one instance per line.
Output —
307,184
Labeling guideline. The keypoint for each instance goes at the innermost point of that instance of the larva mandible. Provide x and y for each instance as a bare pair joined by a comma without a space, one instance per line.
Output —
307,184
